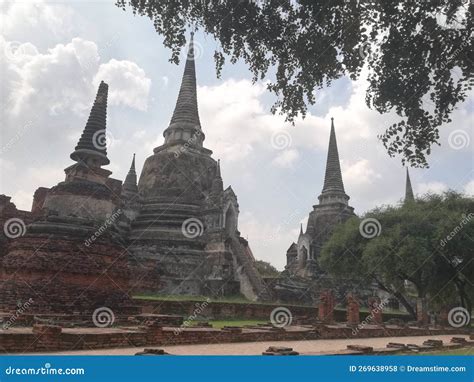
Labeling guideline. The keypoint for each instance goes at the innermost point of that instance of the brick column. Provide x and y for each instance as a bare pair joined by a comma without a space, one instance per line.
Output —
326,306
375,309
352,310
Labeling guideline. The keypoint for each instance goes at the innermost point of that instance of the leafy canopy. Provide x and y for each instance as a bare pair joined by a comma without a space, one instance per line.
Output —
427,242
418,53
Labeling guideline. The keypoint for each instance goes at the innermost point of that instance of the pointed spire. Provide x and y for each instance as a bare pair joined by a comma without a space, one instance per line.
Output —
132,166
409,196
333,189
217,184
219,169
130,184
333,177
92,143
301,229
185,125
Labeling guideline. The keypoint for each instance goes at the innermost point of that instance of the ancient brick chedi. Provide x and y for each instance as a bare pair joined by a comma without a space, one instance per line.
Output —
92,241
187,225
52,260
332,209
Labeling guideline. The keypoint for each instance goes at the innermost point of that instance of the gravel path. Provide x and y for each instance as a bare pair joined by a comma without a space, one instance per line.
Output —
254,348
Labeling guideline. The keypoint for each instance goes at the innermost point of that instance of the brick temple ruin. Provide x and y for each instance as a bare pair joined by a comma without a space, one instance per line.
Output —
92,240
303,279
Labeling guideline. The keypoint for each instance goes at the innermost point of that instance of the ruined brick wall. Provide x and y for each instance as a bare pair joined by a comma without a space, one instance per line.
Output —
62,274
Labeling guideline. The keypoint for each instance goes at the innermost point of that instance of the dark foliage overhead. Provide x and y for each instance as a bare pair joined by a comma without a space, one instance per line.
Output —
418,53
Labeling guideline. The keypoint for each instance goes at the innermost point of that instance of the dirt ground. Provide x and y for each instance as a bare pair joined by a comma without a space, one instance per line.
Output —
256,348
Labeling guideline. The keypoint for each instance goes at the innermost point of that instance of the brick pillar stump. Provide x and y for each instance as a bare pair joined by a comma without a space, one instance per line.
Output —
326,306
376,310
154,332
352,310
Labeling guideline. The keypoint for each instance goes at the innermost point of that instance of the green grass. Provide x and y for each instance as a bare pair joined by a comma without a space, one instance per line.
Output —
219,324
229,299
463,351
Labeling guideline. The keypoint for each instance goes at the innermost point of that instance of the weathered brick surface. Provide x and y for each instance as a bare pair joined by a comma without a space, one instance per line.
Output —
62,274
376,310
353,315
326,306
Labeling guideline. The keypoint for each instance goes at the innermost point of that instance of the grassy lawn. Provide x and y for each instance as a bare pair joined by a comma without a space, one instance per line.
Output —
219,324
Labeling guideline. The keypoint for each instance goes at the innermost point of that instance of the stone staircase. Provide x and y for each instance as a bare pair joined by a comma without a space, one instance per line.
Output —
252,284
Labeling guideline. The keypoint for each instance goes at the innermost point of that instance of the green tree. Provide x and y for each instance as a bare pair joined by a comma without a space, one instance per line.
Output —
427,243
266,269
409,47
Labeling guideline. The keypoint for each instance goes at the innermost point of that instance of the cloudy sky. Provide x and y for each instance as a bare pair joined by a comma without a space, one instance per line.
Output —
53,55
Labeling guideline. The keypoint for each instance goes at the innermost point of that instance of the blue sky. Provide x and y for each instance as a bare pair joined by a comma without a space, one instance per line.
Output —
53,55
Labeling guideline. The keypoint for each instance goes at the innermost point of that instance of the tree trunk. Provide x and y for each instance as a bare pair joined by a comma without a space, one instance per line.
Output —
399,296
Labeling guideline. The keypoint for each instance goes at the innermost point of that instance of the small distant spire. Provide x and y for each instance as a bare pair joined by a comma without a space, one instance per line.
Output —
130,184
217,184
93,139
218,168
132,167
301,228
409,196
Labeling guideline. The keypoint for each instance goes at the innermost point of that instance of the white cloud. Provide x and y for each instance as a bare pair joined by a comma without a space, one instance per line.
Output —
469,188
359,173
430,187
128,83
286,158
46,98
37,19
